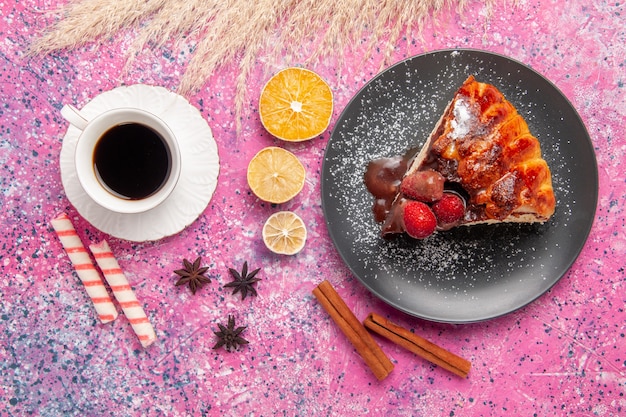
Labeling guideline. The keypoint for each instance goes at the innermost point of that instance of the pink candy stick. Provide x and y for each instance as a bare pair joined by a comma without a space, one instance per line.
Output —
85,269
123,293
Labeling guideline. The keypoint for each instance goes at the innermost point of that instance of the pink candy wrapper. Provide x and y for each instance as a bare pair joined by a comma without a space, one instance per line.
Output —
123,293
85,269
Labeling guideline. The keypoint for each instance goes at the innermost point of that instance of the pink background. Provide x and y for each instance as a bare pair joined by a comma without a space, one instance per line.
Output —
564,354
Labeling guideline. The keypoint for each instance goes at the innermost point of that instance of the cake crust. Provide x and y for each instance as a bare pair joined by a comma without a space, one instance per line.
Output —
480,149
484,145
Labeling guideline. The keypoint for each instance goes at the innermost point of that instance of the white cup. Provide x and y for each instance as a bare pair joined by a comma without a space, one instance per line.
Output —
110,187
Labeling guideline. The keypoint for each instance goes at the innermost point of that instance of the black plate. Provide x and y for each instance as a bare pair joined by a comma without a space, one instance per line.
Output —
471,273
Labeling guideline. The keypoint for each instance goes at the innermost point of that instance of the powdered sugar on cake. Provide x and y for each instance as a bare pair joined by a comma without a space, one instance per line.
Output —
465,119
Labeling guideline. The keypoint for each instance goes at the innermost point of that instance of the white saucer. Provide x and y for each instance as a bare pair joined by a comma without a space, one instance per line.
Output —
198,177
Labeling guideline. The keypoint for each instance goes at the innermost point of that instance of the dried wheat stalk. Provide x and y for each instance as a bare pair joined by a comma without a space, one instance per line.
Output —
241,31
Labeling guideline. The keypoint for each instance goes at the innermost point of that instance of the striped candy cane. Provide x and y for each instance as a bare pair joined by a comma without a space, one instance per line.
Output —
123,293
85,269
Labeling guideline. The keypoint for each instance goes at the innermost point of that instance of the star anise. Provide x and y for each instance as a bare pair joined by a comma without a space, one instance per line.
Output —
193,275
229,337
243,281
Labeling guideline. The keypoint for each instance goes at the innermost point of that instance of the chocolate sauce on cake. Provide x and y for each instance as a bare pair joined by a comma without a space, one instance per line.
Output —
383,177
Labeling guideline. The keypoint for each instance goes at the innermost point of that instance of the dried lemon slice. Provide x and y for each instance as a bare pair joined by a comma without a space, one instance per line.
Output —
284,233
296,104
275,175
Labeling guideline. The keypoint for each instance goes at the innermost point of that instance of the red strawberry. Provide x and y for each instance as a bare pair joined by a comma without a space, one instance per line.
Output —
419,220
425,186
450,209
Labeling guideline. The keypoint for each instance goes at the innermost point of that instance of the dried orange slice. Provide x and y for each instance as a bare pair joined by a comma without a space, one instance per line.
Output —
296,104
275,175
284,233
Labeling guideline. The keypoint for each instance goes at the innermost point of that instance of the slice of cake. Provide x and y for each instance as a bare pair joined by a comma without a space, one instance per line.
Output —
480,164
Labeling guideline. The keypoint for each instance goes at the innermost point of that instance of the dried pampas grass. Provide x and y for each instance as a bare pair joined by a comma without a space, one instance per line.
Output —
228,31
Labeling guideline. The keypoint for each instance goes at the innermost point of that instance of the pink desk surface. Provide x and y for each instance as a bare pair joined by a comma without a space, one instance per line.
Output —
564,354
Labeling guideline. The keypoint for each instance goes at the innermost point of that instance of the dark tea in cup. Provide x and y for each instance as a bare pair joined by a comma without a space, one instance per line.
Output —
127,159
132,161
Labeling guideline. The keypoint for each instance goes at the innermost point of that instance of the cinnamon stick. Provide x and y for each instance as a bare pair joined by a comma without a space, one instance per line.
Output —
353,329
418,345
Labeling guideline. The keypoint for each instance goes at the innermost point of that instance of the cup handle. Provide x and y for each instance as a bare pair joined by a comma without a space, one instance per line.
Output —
72,115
